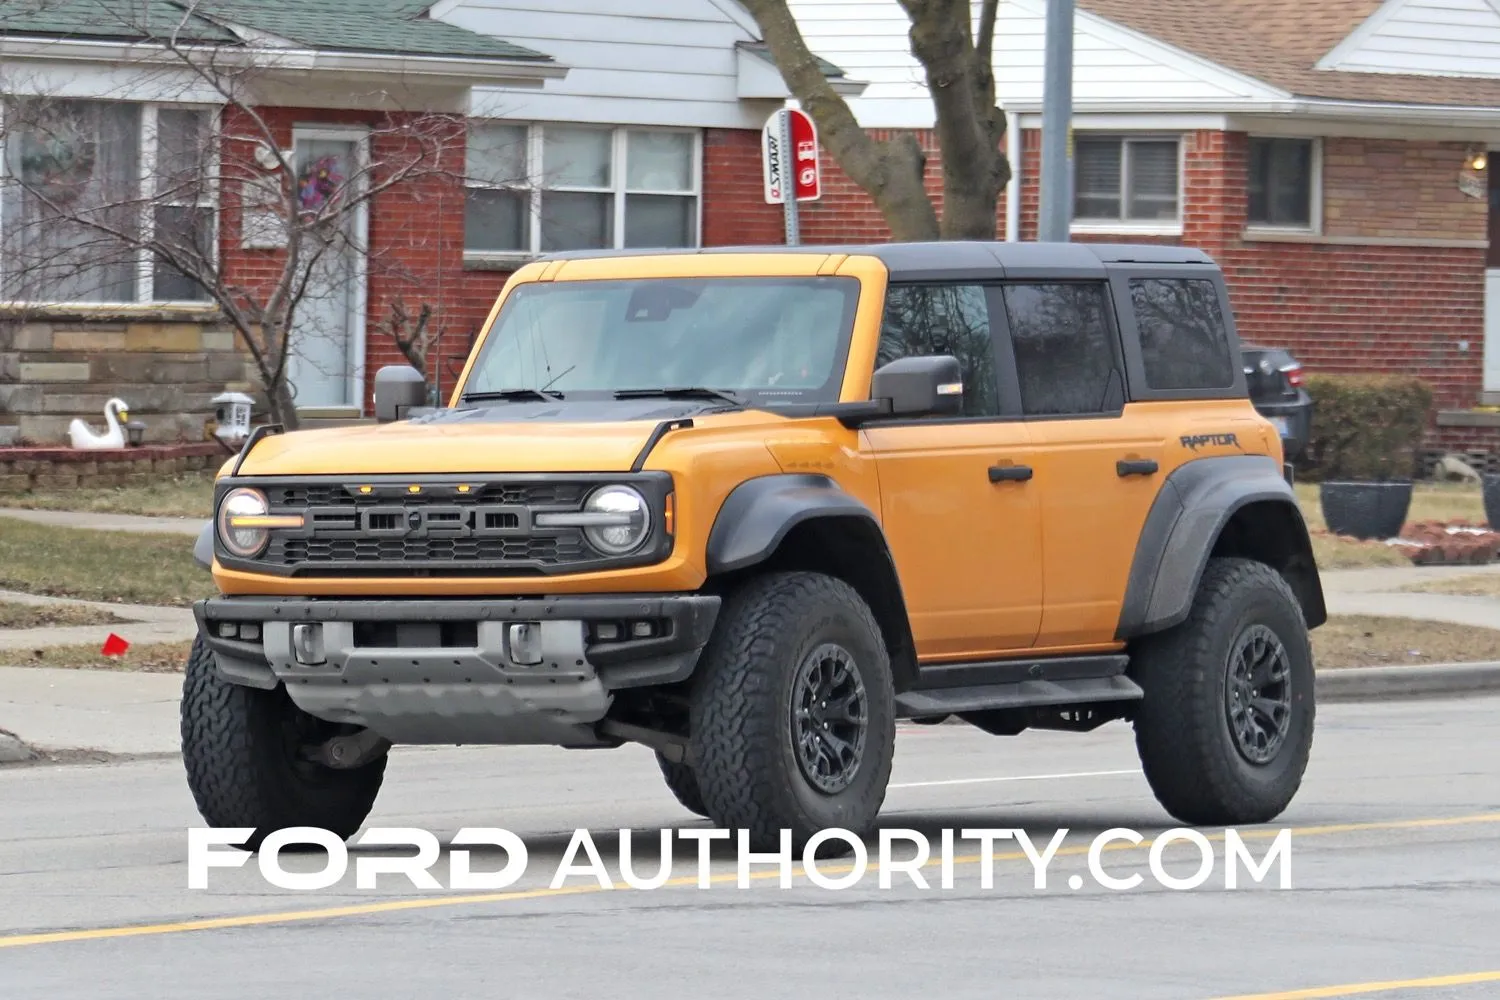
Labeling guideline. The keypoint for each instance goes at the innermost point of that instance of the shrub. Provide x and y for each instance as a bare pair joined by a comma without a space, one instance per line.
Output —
1367,427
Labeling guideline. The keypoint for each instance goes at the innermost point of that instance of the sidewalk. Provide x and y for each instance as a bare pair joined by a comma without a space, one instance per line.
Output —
108,522
1377,592
117,712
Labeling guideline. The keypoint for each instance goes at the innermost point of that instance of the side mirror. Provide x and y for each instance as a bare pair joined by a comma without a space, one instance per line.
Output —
921,386
398,388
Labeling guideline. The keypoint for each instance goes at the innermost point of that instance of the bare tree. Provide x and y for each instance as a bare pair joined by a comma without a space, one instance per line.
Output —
959,64
73,227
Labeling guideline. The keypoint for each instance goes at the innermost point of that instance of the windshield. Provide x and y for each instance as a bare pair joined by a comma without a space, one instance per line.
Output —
760,339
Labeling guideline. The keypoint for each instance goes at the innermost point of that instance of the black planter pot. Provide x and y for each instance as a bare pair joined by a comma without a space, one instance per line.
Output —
1492,500
1366,510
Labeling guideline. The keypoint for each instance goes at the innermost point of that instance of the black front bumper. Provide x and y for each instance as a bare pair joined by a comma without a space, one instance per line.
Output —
682,626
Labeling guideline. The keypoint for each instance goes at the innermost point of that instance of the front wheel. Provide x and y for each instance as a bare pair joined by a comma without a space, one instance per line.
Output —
243,749
1225,729
793,712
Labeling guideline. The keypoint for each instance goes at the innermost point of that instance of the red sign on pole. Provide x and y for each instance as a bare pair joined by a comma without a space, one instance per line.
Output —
800,162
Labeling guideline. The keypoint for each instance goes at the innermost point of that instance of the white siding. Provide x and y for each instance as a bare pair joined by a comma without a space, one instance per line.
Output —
1113,67
1428,37
640,62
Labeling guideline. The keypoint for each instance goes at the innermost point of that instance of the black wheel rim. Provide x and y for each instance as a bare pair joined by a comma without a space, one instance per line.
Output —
830,715
1258,694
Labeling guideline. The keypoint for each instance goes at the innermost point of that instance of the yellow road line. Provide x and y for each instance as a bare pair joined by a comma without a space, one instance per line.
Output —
1357,989
434,902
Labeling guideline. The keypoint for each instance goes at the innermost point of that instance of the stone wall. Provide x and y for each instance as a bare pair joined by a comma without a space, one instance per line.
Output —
48,470
165,367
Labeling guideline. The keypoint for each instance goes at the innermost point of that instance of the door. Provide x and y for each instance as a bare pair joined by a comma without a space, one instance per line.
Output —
958,504
1492,287
1071,381
327,335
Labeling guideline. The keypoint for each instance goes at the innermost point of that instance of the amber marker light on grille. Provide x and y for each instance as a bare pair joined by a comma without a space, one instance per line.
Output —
414,489
463,488
266,520
366,489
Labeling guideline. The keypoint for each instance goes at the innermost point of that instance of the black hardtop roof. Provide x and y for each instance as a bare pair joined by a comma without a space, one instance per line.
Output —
957,259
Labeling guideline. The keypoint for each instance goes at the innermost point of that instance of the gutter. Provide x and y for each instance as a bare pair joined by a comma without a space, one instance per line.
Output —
513,72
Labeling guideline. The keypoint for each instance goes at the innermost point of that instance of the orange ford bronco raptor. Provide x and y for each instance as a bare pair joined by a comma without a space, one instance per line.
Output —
749,507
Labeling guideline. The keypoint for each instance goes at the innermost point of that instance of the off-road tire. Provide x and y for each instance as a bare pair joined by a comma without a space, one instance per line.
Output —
742,728
1187,747
683,784
237,748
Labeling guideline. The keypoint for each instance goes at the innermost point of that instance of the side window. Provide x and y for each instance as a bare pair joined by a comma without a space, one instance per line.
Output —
1066,355
1184,343
944,319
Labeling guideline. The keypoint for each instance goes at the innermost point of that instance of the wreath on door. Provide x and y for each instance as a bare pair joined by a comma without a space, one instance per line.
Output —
318,184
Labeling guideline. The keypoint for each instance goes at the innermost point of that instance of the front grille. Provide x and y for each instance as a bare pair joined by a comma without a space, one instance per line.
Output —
386,528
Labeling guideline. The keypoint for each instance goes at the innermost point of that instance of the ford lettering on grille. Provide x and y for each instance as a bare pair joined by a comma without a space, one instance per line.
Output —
445,521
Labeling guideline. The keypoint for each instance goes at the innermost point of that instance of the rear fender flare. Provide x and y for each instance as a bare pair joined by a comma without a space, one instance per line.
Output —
1185,522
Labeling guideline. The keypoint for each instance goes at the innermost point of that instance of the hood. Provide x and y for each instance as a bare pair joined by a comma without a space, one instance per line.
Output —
508,437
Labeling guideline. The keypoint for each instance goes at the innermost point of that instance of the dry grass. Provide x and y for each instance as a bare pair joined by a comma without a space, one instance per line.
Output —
1429,502
1336,552
1478,585
15,615
1366,641
187,495
150,658
113,566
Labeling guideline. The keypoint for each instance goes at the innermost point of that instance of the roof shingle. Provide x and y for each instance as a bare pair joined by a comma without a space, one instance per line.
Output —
385,26
1280,41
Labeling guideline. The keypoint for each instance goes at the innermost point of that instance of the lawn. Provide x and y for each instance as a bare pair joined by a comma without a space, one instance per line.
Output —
1477,585
113,566
150,658
1365,641
15,615
187,495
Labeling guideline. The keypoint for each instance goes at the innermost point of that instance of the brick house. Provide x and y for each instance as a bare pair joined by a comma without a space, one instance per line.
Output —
610,123
1330,154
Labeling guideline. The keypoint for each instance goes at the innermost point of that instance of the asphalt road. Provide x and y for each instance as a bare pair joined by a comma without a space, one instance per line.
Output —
1394,871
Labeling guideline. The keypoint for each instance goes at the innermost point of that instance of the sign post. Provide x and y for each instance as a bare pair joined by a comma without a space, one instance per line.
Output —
789,147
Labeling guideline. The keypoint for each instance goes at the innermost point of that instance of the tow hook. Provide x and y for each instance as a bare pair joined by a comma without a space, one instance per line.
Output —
354,750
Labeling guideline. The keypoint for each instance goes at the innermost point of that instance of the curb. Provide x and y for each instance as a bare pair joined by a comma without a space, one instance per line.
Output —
1391,683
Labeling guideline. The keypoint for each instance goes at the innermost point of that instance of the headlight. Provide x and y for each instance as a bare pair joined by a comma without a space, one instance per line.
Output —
616,520
243,514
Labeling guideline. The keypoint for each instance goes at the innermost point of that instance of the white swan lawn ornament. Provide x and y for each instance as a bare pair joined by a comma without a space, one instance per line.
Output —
115,412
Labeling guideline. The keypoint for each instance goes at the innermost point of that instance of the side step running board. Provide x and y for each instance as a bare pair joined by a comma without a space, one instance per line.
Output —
952,689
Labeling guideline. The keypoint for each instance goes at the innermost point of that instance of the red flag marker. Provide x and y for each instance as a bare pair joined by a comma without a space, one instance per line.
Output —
115,646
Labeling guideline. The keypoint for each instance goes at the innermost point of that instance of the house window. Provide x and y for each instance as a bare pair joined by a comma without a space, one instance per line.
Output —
91,191
1281,178
1120,180
547,188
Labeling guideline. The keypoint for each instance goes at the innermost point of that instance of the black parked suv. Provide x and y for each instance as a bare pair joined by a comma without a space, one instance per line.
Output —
1274,379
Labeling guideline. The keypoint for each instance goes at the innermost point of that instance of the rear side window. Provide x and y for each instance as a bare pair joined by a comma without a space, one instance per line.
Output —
1066,353
1184,342
924,320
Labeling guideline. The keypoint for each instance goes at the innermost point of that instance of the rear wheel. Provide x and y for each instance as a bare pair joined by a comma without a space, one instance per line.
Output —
1225,729
244,751
793,715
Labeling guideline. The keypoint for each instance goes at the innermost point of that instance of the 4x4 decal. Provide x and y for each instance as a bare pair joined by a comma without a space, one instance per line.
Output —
1196,441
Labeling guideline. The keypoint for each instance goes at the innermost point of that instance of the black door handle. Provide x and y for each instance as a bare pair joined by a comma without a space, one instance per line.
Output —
1135,467
1004,473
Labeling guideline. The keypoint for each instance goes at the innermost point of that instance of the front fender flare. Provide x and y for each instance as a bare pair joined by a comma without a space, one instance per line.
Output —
761,512
203,548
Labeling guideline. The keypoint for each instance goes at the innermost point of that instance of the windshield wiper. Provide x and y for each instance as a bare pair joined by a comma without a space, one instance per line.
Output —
511,394
681,392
